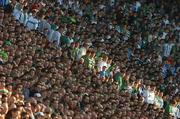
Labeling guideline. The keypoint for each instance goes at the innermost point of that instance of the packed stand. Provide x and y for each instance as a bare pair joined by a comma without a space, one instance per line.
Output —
92,64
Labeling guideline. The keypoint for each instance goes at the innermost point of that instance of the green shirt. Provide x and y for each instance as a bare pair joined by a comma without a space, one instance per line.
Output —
98,55
73,20
65,19
65,40
158,101
121,83
4,55
111,68
74,52
162,87
86,58
53,26
134,90
7,42
91,63
168,109
69,20
4,91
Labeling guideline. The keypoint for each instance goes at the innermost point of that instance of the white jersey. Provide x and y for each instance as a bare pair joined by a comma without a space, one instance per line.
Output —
81,52
149,96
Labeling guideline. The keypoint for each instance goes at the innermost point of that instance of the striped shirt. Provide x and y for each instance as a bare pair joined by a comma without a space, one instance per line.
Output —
164,71
167,49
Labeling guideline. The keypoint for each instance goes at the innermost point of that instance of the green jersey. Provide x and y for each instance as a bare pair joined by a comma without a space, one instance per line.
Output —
91,63
121,83
4,55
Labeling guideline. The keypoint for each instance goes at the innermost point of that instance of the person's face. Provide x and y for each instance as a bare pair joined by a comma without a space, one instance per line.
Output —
9,88
56,104
16,114
2,84
27,116
38,108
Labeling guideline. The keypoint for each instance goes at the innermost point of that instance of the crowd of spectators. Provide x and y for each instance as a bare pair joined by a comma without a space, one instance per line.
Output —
88,59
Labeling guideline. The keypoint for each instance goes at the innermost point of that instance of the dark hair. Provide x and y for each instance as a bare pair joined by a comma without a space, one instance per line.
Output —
8,8
23,115
9,114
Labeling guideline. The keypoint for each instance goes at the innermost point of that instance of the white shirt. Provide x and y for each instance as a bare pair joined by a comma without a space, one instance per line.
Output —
164,35
138,5
178,114
101,64
61,2
112,2
81,52
130,89
108,65
174,112
71,41
71,3
166,22
151,97
56,37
